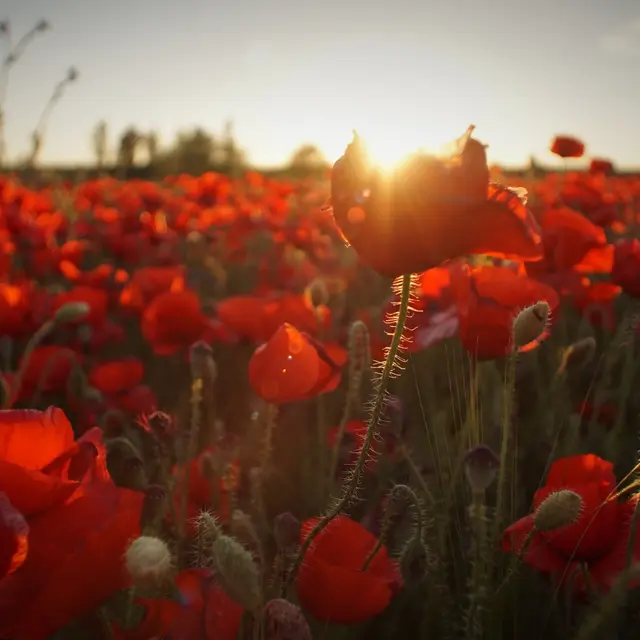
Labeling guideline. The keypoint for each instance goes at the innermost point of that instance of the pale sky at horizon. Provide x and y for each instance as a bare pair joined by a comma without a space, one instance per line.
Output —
289,72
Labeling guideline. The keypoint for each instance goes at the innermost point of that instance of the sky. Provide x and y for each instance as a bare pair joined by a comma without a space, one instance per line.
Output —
403,73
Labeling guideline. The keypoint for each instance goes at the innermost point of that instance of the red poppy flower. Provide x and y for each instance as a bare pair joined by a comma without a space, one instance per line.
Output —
116,376
201,490
598,539
568,236
488,300
626,266
599,166
429,210
331,584
292,366
202,611
78,521
173,320
47,370
567,147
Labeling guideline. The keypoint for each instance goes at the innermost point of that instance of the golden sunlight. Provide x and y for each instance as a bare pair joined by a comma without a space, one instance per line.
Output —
389,144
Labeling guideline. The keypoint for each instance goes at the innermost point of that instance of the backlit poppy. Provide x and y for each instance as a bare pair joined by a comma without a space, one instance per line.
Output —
291,366
429,210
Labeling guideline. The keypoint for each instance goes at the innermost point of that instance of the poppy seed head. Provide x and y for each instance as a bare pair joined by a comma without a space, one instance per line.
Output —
481,466
560,509
283,620
530,324
236,571
71,312
149,562
578,355
286,531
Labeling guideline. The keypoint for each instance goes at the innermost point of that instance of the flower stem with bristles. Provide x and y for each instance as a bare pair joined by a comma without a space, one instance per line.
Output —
33,343
352,484
359,360
192,445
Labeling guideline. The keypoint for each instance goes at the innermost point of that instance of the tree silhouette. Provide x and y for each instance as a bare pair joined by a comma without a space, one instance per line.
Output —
127,152
153,147
307,159
193,152
100,141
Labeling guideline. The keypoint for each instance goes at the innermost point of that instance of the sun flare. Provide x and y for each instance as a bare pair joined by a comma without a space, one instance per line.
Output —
389,148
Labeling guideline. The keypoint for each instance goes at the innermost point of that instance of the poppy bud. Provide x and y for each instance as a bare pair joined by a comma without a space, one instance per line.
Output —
160,423
149,562
578,355
284,620
71,312
414,562
481,467
153,507
530,325
317,293
236,571
201,360
286,531
207,526
560,509
359,348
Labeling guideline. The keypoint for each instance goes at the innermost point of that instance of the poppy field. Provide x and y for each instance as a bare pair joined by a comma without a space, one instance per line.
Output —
382,405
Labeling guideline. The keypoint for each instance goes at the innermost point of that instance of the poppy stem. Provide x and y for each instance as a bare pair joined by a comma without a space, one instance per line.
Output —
351,485
190,453
33,343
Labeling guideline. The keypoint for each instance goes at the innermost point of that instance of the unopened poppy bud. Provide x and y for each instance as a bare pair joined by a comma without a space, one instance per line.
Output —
207,526
414,562
201,360
481,467
578,355
153,506
149,562
71,312
286,531
236,572
283,620
91,394
359,348
560,509
398,499
160,424
318,293
530,324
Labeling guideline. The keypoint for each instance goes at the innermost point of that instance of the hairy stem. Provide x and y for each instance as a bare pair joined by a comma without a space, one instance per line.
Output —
353,482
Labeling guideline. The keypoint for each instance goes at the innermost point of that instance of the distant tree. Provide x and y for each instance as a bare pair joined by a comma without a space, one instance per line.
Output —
101,144
153,147
232,159
307,159
129,142
193,152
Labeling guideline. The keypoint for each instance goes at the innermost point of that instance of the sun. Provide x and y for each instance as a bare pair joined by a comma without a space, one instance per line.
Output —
388,148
